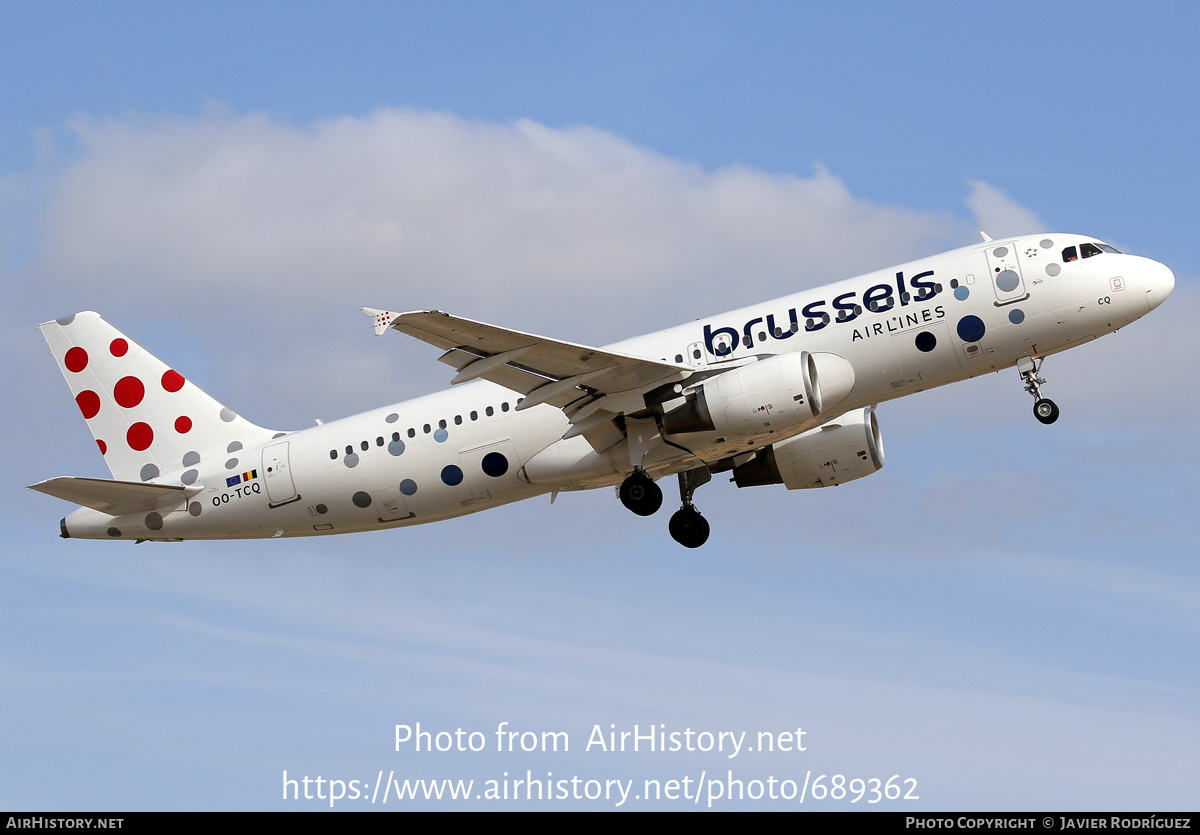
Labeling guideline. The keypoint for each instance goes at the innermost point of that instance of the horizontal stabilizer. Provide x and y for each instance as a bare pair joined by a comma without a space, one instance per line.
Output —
116,497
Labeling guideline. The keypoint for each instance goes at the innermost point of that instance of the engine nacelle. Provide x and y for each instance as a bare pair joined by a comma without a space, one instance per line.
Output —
779,393
842,450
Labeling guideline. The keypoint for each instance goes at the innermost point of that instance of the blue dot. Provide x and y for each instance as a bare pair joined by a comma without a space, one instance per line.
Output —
971,329
441,435
1016,316
408,487
961,293
495,464
452,475
396,447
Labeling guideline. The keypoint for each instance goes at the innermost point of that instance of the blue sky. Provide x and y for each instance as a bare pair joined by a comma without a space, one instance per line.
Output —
1006,612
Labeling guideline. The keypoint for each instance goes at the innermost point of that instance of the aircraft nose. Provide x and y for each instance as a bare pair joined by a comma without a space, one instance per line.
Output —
1159,281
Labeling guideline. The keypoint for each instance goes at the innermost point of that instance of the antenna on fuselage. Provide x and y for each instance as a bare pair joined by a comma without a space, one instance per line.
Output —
987,239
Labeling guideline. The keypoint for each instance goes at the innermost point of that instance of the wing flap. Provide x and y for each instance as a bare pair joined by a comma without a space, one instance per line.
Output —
115,497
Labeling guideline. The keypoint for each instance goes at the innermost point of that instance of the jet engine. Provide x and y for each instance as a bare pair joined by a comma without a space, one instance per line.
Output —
779,393
844,449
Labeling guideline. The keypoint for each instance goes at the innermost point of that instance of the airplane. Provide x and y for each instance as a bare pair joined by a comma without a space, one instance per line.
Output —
783,392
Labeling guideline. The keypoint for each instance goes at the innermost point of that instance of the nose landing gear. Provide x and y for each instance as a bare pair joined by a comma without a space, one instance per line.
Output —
1044,409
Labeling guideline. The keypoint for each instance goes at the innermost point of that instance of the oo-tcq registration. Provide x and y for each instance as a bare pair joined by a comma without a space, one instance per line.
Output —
782,392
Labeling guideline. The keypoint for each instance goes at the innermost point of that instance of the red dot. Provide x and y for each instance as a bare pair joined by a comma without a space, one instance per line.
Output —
172,380
89,403
140,436
129,392
183,425
103,446
76,359
118,347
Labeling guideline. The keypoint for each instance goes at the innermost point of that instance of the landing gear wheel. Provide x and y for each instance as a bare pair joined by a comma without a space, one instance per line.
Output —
688,527
1045,410
640,494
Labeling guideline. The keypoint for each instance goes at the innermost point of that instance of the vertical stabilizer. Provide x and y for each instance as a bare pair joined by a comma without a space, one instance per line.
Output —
147,419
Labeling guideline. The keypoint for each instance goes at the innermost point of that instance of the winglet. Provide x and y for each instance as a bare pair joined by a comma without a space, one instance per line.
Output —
383,319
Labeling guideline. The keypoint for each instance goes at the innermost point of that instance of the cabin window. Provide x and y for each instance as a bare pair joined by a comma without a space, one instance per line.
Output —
365,446
474,415
349,450
379,441
489,411
458,420
333,455
412,433
425,429
504,406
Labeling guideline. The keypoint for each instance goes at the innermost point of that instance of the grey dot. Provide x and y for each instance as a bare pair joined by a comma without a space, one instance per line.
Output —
114,531
1007,281
1016,316
1000,251
227,415
189,477
231,464
1047,243
396,447
322,509
64,321
154,521
194,508
1053,269
234,447
351,460
191,459
392,418
278,435
362,499
408,487
149,471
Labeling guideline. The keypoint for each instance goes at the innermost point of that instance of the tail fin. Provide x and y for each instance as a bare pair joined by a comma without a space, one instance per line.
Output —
146,418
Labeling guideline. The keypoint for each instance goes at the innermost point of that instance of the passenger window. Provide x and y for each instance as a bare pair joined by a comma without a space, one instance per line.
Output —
333,455
474,415
441,424
504,406
1088,250
412,433
349,450
458,420
379,441
1069,254
679,358
395,436
425,429
489,411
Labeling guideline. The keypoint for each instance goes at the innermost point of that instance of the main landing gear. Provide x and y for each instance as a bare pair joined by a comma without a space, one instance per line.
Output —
640,494
687,526
1044,409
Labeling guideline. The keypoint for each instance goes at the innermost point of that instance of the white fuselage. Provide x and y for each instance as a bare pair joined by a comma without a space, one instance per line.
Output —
927,323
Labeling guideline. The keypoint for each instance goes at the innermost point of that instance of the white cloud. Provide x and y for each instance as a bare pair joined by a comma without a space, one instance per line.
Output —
998,214
405,209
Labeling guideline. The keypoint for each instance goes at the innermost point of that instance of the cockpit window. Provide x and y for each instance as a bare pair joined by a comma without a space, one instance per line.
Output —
1108,248
1088,250
1069,254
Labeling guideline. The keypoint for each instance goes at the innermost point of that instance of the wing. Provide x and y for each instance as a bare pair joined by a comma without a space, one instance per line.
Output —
581,380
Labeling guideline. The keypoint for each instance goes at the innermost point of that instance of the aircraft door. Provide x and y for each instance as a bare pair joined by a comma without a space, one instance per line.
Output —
1005,272
696,355
491,469
278,474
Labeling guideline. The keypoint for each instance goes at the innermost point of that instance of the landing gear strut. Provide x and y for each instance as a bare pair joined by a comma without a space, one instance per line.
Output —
1044,409
687,526
640,494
